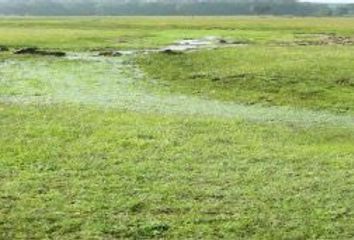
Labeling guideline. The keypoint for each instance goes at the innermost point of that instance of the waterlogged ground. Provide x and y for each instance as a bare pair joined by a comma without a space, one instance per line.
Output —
117,82
251,140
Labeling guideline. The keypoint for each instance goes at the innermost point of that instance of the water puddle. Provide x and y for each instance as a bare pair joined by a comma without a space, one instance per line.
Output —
85,78
210,42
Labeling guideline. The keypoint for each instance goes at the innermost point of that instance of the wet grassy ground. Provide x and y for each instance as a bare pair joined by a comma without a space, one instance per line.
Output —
254,142
312,77
82,33
86,79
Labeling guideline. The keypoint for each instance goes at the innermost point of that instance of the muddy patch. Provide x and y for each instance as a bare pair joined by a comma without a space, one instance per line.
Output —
110,54
345,81
179,47
324,39
36,51
171,51
210,42
4,48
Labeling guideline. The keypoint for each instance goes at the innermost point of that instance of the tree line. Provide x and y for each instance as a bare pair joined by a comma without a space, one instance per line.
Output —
170,7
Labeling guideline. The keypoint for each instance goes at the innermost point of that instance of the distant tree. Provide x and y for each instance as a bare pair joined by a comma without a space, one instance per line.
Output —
169,7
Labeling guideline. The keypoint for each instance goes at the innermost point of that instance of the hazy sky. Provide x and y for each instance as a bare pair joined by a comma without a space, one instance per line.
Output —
329,1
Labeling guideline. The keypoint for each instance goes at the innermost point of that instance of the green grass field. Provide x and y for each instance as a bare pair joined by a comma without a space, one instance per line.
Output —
249,142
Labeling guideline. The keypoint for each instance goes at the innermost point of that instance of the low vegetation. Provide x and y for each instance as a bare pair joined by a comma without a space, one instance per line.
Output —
250,141
73,172
305,77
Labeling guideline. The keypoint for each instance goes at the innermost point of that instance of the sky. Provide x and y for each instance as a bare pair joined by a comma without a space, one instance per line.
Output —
328,1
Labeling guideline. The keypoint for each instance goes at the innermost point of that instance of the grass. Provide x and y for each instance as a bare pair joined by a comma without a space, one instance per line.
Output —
319,78
77,172
254,142
83,33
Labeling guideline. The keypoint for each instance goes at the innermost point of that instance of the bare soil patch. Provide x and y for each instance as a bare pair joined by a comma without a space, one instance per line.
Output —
326,39
36,51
